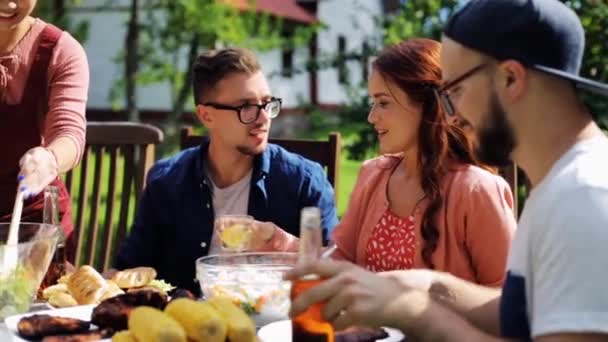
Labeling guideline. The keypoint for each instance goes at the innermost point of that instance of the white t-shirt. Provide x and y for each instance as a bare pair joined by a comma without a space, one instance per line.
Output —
231,200
557,279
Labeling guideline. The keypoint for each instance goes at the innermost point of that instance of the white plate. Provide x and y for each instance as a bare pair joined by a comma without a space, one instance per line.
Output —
82,312
281,332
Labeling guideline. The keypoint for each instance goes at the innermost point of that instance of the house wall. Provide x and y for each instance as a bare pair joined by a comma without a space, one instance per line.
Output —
351,18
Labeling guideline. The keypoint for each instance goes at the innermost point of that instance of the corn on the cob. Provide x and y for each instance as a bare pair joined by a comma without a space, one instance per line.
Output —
124,336
152,325
200,320
240,326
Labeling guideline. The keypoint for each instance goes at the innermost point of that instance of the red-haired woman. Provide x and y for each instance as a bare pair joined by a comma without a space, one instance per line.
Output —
426,202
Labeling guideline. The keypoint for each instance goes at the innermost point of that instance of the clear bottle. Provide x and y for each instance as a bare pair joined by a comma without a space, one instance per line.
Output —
50,215
310,326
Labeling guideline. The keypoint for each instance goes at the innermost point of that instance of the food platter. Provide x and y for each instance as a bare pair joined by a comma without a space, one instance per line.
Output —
146,314
82,312
135,308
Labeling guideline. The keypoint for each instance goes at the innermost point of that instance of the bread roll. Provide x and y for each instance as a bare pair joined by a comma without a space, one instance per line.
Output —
145,288
87,286
52,290
112,291
134,277
62,300
64,278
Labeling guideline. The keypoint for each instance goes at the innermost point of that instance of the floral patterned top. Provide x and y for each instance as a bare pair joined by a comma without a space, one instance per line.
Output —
392,245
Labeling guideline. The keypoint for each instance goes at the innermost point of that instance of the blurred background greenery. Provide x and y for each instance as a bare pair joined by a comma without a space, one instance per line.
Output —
159,29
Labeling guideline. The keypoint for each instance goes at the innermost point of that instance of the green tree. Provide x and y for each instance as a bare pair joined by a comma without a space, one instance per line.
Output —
163,46
57,12
415,18
418,18
425,18
594,16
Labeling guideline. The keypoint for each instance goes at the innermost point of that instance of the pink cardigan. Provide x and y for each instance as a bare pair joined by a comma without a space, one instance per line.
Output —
68,77
476,222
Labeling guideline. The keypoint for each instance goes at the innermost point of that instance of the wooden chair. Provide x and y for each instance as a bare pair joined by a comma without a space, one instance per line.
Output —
326,153
106,186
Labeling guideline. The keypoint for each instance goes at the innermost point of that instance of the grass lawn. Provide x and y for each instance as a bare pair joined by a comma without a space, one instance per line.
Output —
348,175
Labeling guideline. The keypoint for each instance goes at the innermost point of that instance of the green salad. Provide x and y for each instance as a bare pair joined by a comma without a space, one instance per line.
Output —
161,285
16,292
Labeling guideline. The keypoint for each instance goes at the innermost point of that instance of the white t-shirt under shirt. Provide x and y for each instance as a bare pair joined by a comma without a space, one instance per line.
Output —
558,266
231,200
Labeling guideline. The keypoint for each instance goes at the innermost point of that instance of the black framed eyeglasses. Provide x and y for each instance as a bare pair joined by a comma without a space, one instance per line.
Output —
250,112
443,92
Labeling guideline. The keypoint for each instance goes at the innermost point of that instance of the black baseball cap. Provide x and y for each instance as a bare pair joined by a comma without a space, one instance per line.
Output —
544,35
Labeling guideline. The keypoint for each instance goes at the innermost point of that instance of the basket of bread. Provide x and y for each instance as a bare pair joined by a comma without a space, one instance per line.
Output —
87,286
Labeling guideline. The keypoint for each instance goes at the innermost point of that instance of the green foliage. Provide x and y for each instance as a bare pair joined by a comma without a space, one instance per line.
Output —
174,30
78,29
425,18
416,18
594,16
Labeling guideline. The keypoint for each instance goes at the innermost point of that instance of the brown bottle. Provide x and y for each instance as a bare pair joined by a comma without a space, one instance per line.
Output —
310,326
50,215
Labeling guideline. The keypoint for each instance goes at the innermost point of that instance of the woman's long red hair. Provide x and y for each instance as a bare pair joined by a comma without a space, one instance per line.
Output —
413,66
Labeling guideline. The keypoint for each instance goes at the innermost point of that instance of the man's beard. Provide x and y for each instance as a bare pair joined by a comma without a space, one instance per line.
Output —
496,138
248,151
252,151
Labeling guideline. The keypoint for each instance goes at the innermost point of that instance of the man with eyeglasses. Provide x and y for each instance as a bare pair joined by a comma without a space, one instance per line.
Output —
510,69
234,172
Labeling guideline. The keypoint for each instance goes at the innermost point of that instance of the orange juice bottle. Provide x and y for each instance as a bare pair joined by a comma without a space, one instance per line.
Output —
310,326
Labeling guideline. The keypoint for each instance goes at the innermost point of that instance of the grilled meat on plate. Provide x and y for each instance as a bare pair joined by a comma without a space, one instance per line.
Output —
38,326
114,312
94,335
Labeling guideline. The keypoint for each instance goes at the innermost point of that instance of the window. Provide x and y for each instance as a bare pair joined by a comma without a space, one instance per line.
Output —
342,68
287,62
366,51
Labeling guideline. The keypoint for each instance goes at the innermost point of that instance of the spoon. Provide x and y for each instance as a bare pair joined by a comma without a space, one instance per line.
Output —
11,251
13,230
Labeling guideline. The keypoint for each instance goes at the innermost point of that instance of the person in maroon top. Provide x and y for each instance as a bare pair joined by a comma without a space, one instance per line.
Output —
43,89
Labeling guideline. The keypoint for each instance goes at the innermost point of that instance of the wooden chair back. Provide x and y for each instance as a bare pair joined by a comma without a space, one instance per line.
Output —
326,153
106,186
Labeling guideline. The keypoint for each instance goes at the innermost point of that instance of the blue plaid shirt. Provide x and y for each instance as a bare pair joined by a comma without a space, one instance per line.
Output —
174,221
